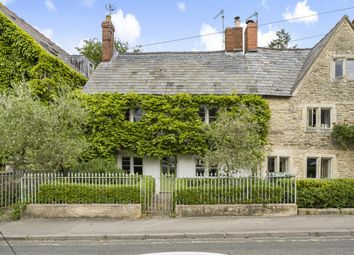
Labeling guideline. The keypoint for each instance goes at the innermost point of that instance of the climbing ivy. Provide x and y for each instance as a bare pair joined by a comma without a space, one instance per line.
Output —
343,135
23,59
170,125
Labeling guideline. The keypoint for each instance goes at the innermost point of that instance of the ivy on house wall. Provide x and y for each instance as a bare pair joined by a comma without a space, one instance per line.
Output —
343,135
23,59
170,124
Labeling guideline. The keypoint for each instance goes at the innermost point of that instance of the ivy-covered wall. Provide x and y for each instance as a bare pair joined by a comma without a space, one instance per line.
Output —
170,124
23,59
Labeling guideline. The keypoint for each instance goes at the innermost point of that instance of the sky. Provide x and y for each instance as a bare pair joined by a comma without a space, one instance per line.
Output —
141,22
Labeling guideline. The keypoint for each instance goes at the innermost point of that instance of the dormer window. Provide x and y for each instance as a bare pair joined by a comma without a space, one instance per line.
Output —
343,69
134,114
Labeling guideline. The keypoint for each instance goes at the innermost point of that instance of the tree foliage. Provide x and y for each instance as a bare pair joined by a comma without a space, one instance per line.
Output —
282,40
22,59
236,141
37,136
92,49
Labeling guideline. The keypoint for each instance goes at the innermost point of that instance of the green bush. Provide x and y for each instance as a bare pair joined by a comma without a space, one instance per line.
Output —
336,193
230,195
72,193
97,165
17,211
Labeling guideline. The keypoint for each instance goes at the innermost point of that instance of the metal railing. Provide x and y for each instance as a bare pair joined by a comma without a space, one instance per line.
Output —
56,188
9,188
231,190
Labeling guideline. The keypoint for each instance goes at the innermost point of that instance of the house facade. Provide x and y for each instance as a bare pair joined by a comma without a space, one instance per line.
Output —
308,91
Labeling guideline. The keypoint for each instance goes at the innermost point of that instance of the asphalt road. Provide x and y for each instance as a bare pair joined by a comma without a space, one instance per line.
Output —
315,246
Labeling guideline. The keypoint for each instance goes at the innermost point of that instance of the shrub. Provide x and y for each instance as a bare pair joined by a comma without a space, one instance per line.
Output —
72,193
17,211
97,165
336,193
230,195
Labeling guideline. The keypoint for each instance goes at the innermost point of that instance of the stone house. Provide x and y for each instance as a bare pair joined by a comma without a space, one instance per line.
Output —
308,91
78,62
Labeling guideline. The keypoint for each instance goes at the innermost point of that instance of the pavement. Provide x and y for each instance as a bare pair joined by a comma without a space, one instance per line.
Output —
178,228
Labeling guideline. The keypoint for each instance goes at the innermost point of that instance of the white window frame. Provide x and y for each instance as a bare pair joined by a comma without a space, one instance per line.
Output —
319,166
132,116
319,126
207,169
277,164
131,163
207,114
345,72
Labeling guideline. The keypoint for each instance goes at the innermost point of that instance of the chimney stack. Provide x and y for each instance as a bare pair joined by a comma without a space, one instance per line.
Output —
234,37
107,39
251,36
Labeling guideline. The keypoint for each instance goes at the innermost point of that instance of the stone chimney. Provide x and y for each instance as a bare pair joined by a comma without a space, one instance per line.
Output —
234,37
107,39
251,36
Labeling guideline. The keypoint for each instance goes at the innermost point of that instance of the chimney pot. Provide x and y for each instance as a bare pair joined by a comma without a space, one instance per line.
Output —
237,21
107,39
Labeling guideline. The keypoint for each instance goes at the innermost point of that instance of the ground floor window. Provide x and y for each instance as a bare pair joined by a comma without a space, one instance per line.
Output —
317,167
132,164
277,164
202,170
169,165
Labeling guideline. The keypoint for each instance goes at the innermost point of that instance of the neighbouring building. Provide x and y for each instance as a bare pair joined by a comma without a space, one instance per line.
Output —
308,90
78,62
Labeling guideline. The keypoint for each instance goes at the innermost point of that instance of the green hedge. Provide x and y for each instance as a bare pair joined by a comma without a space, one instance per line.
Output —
87,194
336,193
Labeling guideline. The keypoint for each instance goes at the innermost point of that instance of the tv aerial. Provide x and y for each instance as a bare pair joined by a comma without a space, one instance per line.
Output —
110,8
222,15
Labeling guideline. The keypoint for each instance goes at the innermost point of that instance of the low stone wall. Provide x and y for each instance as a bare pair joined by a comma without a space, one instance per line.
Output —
132,211
329,211
236,210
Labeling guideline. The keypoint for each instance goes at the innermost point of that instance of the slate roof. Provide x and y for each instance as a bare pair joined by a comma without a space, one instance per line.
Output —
265,72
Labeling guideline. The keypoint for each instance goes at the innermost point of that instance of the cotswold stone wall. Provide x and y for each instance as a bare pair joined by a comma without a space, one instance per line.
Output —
289,135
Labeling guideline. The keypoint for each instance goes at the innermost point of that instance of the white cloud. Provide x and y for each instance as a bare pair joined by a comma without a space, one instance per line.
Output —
265,5
127,26
181,6
301,9
6,2
50,5
88,3
210,42
48,32
265,38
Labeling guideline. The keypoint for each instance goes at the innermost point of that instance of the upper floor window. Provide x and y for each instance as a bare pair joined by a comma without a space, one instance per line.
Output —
344,68
134,115
208,115
319,117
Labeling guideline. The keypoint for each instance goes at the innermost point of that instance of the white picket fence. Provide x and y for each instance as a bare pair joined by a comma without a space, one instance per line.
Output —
155,194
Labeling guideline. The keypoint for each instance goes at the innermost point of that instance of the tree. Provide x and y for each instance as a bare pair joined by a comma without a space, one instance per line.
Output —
235,141
38,136
282,40
92,49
